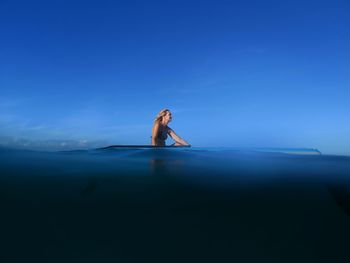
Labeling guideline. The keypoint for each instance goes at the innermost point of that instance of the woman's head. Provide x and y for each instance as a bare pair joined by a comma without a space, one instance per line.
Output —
163,115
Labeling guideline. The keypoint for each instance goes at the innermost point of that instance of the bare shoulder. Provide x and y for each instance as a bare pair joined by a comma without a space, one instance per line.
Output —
155,129
155,126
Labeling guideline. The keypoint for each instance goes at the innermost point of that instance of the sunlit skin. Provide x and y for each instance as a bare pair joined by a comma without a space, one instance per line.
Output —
162,127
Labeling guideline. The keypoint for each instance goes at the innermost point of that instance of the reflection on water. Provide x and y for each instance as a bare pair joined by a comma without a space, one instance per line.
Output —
172,205
157,166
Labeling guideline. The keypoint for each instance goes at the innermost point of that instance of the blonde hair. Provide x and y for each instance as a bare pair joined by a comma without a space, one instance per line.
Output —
160,115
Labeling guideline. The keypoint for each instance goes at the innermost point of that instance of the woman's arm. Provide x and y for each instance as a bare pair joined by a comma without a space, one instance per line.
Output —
177,138
155,133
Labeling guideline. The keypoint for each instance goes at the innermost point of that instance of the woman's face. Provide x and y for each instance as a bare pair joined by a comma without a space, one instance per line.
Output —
168,117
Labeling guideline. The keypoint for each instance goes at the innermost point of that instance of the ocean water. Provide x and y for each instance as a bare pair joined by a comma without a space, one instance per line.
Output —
174,205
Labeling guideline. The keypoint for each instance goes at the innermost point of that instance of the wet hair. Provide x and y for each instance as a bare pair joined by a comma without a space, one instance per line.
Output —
160,115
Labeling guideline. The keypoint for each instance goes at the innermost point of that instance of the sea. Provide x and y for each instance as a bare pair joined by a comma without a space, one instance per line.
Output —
174,205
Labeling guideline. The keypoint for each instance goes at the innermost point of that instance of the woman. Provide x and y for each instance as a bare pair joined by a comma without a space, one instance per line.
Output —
161,130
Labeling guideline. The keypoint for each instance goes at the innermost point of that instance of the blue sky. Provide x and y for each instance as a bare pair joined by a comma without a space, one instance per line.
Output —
234,73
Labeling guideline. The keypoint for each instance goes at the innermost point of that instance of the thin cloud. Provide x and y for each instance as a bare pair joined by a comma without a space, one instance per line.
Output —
49,145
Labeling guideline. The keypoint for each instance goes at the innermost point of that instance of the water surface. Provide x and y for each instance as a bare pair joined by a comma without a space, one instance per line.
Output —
172,205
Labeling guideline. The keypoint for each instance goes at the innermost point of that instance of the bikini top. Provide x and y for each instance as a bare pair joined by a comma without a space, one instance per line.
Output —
163,134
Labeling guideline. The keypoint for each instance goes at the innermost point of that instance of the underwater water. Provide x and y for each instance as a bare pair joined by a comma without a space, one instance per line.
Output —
174,205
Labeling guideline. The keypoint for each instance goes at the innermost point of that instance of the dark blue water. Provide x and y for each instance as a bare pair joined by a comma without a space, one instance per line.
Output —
174,205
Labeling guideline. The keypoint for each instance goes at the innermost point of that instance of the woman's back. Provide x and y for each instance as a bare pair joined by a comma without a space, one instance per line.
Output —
160,134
